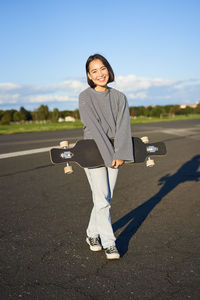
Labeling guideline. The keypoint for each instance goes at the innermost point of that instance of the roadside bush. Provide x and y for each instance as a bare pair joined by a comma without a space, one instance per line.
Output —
16,116
6,119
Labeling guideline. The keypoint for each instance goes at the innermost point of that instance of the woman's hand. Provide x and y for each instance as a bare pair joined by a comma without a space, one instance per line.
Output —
117,163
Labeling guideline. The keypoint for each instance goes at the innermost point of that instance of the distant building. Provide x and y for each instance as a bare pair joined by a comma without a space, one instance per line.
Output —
190,105
67,119
61,120
70,119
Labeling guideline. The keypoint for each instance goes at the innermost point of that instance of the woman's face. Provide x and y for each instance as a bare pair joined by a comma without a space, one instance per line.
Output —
98,73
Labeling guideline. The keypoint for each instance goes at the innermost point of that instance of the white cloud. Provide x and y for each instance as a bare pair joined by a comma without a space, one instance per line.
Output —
48,98
139,95
9,98
134,83
75,85
66,91
139,91
7,86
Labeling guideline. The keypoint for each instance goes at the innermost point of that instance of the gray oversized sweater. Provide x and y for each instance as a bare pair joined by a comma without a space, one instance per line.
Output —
105,115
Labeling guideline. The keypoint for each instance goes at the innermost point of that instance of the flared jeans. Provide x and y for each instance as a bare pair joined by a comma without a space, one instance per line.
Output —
102,182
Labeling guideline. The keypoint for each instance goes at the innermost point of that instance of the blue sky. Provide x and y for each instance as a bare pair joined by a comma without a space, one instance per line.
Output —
153,47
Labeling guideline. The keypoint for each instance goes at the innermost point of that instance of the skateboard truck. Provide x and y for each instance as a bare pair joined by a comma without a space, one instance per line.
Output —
67,154
150,149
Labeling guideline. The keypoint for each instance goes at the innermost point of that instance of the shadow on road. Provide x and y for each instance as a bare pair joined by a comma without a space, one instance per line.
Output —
26,170
135,218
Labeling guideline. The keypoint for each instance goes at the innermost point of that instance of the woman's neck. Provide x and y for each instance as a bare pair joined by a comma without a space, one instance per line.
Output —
101,88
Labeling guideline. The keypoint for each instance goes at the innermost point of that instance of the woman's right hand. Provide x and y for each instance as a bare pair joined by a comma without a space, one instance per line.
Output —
116,163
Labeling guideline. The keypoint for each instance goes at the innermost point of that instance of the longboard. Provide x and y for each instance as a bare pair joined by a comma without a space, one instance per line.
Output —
86,154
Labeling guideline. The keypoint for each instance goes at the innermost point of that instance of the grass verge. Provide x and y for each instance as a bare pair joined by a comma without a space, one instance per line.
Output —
143,120
33,127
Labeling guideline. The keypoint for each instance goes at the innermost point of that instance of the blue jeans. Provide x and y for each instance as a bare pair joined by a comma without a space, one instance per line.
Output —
102,182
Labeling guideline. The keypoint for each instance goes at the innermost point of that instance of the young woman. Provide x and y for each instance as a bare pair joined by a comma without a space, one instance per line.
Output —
105,114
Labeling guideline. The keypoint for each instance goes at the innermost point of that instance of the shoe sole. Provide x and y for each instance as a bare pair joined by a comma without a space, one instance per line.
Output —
112,256
93,248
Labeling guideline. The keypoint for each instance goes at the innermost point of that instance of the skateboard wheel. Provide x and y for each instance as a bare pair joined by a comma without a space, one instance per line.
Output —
150,162
64,144
68,170
145,139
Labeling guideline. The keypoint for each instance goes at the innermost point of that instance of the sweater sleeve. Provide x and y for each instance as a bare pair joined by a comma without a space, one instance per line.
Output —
89,119
123,139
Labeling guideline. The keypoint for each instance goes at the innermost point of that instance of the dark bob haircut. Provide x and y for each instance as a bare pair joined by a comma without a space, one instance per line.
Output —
105,63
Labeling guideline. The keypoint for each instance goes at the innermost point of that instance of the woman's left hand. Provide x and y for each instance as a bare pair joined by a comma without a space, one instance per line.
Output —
117,163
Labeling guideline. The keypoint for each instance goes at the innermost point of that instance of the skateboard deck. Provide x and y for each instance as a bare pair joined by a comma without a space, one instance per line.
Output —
86,154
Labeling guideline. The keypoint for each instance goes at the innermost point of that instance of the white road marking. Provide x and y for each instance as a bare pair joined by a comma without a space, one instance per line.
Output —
39,141
192,133
179,131
28,152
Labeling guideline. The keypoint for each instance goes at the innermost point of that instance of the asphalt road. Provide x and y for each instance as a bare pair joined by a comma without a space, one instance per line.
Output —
155,215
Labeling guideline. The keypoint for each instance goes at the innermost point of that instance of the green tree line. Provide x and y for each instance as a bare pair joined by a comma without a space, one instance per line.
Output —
44,114
41,114
162,111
